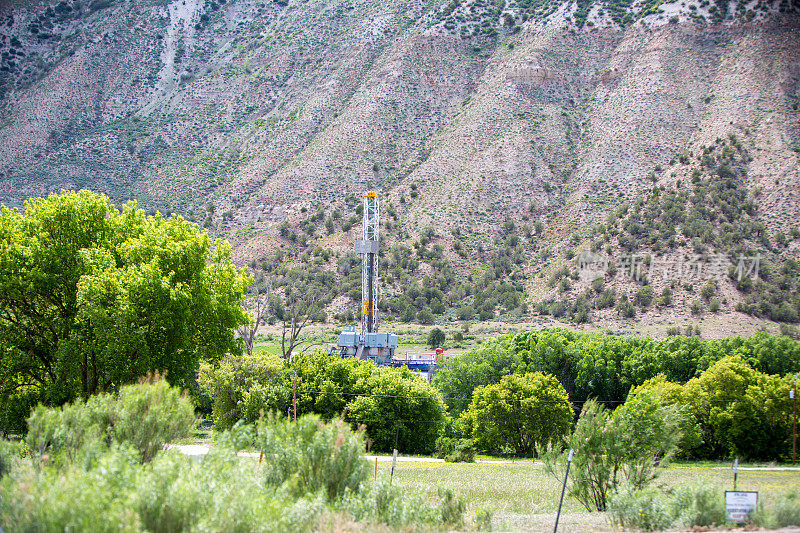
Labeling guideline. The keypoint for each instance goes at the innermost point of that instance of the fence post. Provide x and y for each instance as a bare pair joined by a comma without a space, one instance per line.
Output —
563,489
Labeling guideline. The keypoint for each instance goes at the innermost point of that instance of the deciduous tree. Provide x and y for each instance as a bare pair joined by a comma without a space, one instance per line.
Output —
92,297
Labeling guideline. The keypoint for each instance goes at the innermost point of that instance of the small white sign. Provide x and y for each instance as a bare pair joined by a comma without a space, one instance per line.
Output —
740,505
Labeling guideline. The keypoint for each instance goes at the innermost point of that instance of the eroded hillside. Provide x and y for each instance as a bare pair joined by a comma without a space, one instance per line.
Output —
502,135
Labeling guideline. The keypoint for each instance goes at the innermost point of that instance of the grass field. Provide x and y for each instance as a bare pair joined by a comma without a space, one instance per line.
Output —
522,497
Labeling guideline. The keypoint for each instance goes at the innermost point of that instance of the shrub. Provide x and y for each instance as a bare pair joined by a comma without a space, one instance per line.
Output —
400,408
625,308
436,338
171,493
644,510
698,505
9,453
483,519
451,508
455,450
242,387
787,511
619,450
394,506
741,411
144,416
313,461
312,456
644,296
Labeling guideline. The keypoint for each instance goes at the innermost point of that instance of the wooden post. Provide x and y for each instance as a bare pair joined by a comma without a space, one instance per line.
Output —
294,396
376,470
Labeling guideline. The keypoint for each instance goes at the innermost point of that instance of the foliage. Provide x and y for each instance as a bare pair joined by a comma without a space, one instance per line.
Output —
92,298
519,413
144,417
309,456
451,508
381,502
605,366
310,468
400,408
10,452
436,338
698,505
387,401
650,431
644,510
455,450
742,412
674,394
452,446
787,511
618,450
243,387
325,385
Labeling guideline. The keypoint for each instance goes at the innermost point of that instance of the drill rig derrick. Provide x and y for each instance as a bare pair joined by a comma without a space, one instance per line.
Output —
370,344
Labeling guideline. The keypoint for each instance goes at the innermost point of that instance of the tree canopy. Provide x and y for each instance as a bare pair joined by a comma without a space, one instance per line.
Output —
519,413
92,297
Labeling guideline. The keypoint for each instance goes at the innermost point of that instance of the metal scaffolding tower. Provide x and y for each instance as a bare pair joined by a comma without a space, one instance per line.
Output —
370,344
368,247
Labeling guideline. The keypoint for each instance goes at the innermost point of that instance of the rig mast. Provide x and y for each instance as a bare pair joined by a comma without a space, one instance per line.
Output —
368,247
370,344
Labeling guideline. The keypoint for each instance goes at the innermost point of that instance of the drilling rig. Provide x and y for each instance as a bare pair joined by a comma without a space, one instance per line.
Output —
379,347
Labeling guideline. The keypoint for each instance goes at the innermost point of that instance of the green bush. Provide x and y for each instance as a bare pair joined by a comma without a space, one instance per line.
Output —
144,416
436,338
645,510
787,511
698,505
741,412
310,469
10,452
242,387
383,503
455,450
171,493
451,508
619,450
311,456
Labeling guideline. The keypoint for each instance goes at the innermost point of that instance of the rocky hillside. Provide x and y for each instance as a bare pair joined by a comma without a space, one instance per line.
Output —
506,138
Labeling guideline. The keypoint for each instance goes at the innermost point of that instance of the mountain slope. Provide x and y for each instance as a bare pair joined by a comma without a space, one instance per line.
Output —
508,129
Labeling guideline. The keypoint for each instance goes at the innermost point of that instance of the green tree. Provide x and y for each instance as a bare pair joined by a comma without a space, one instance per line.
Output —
741,412
619,449
519,413
92,298
399,406
436,338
